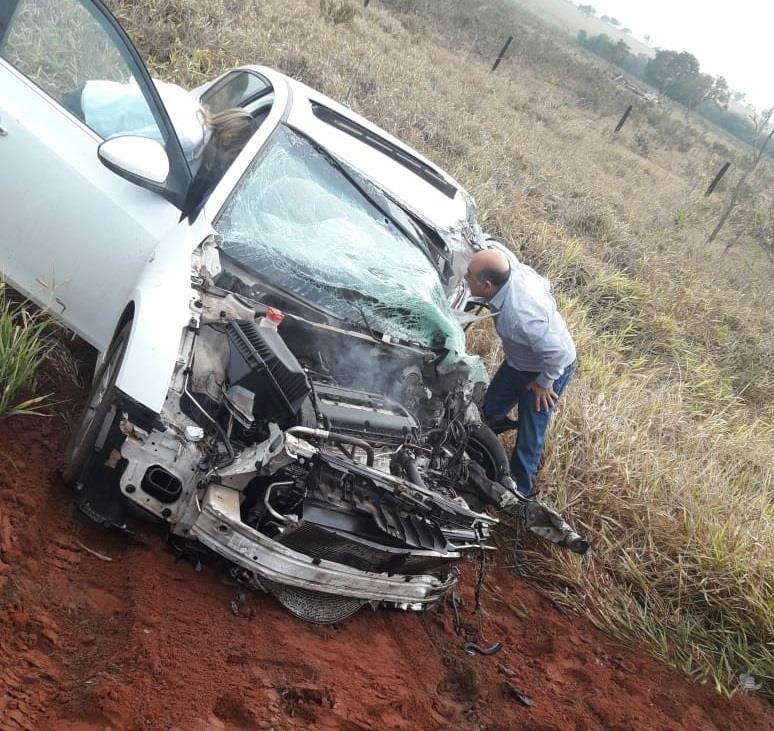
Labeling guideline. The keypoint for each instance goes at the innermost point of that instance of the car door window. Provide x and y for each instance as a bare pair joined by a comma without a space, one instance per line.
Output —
237,89
73,53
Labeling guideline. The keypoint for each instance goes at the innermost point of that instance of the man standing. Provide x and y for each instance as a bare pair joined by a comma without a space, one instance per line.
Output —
539,353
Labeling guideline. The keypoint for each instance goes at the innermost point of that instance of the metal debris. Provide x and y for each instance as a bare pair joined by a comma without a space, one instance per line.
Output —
457,603
237,603
516,694
748,683
100,556
472,647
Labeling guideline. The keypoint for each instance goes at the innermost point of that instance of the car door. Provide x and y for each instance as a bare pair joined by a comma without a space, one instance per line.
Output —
74,236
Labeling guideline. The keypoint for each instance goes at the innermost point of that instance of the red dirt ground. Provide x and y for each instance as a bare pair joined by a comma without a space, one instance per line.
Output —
143,642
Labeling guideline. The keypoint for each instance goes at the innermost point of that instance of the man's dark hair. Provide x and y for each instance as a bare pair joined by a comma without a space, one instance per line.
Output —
497,277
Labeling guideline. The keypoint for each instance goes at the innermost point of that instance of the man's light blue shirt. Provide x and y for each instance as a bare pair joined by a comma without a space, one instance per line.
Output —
535,337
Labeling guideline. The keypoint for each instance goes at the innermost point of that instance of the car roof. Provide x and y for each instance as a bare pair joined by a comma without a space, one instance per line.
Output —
408,177
411,179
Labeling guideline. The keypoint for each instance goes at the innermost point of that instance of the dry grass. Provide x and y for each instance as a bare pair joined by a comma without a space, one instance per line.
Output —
663,447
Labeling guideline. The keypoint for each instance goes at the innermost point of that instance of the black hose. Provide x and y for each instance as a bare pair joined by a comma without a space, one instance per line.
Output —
471,647
336,437
410,466
218,428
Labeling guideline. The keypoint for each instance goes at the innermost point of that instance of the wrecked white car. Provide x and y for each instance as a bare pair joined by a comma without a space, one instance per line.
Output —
282,378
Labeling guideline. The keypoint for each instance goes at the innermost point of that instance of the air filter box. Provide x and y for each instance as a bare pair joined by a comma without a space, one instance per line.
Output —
260,361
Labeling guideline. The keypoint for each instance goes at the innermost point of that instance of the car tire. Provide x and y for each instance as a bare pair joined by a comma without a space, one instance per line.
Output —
80,446
485,449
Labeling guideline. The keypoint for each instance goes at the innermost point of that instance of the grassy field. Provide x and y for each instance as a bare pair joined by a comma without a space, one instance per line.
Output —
664,445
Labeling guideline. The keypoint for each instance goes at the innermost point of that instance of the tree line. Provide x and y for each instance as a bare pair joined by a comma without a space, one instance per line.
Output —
677,75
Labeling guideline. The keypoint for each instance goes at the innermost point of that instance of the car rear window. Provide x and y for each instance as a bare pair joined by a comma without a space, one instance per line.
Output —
428,173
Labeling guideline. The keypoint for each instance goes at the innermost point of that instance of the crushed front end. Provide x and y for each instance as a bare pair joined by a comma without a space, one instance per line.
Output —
329,467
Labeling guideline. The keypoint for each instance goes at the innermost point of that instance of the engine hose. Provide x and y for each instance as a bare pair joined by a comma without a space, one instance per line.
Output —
333,436
412,471
267,498
218,428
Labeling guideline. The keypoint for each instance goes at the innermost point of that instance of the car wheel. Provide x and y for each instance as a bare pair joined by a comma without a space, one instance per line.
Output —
98,406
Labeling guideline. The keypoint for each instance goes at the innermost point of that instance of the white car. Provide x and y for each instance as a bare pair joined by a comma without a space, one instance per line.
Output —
282,377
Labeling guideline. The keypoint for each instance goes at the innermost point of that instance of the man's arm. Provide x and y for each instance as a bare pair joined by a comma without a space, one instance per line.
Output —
556,351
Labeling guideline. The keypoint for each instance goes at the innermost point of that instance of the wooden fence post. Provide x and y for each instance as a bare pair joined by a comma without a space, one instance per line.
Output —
502,53
718,178
623,119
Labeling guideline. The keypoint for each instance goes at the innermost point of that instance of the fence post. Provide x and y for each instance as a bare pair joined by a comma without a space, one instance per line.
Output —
723,170
502,53
623,119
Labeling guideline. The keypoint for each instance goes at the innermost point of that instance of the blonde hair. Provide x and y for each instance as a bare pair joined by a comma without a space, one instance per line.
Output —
228,131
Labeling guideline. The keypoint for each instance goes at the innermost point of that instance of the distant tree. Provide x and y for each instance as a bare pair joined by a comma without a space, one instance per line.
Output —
636,65
614,22
719,93
647,38
589,10
602,45
735,124
674,74
694,89
738,96
626,30
620,54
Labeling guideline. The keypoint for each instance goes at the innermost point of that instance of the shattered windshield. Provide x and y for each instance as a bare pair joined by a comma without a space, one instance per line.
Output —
300,221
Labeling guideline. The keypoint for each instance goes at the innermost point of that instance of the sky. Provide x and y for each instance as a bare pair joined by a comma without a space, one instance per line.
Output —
734,39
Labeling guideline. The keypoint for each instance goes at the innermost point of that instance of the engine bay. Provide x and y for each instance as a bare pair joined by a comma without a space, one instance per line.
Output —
325,463
337,449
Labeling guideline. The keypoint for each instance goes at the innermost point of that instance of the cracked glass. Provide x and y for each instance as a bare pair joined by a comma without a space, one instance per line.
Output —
303,221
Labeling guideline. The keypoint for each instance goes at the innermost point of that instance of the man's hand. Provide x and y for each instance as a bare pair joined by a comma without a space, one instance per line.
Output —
545,398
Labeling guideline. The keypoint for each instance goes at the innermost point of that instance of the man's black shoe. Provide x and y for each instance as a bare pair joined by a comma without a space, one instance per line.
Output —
502,424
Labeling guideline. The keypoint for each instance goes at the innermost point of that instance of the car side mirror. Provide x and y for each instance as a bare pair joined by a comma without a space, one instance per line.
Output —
139,160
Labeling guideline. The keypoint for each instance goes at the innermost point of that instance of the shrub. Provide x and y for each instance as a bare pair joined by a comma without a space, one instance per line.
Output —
337,11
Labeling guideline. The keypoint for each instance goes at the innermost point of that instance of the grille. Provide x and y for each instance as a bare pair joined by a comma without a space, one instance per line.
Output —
318,542
313,606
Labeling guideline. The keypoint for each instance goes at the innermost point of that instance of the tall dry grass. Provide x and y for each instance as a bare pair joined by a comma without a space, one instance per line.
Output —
662,448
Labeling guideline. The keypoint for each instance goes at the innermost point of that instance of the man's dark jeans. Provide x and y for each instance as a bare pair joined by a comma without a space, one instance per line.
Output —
507,389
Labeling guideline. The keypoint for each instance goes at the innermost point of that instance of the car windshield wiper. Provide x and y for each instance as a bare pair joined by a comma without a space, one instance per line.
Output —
294,297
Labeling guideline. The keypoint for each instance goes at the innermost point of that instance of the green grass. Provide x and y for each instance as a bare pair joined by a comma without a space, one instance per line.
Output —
23,348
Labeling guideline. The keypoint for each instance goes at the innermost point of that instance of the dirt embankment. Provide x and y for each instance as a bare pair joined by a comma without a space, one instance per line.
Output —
144,642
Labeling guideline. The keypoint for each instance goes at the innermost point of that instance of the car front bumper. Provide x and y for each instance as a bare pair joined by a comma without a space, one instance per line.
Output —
219,528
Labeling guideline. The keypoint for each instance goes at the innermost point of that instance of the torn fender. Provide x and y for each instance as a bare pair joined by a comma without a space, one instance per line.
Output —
162,310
